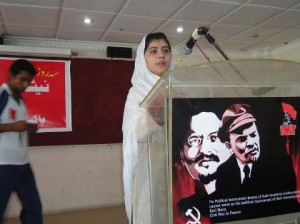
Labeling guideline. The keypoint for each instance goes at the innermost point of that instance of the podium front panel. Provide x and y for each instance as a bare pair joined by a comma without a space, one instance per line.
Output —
271,89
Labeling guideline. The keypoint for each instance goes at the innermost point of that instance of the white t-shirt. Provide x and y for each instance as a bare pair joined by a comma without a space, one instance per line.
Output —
12,144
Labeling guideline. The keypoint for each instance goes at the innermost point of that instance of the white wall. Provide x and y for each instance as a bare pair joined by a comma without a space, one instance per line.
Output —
75,177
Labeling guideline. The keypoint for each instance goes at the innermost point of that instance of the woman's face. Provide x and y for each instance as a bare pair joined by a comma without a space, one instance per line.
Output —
158,57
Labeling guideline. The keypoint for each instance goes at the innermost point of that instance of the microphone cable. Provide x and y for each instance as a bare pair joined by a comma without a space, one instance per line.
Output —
202,51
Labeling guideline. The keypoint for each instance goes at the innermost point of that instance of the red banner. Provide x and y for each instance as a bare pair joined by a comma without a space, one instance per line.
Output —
48,97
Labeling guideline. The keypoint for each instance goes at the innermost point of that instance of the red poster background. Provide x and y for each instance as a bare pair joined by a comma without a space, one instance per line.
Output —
46,98
277,120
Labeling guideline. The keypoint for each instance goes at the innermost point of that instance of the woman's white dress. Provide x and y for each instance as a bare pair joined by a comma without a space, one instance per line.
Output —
136,151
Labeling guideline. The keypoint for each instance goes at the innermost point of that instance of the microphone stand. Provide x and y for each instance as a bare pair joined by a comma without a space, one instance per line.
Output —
255,91
212,41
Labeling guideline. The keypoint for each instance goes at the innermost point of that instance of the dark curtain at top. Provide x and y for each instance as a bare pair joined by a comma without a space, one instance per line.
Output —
99,88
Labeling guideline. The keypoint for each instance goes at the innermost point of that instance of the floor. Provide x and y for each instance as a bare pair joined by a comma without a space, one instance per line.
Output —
114,215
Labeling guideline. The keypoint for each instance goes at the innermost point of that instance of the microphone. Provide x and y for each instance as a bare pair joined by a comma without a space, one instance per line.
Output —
188,47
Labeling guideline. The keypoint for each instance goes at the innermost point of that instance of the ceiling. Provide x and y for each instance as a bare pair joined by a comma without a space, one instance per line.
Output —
235,24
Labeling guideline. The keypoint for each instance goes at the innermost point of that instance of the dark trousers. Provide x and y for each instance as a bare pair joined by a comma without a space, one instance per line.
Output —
20,178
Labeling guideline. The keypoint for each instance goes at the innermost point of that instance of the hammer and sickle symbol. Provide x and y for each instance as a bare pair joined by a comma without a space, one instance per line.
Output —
196,220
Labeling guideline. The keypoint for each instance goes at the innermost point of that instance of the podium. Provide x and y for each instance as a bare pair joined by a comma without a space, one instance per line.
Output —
263,83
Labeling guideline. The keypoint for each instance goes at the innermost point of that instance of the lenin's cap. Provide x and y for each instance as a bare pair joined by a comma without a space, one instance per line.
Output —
234,117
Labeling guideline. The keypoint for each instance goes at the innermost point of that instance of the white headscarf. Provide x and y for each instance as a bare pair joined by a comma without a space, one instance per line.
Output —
142,82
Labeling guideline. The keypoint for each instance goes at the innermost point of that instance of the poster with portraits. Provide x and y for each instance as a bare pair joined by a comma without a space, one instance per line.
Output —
48,98
235,158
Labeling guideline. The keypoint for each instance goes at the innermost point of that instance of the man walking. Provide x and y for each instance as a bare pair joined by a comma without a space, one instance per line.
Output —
15,171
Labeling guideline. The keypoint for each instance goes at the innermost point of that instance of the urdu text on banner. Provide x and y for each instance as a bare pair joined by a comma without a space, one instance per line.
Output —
48,98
